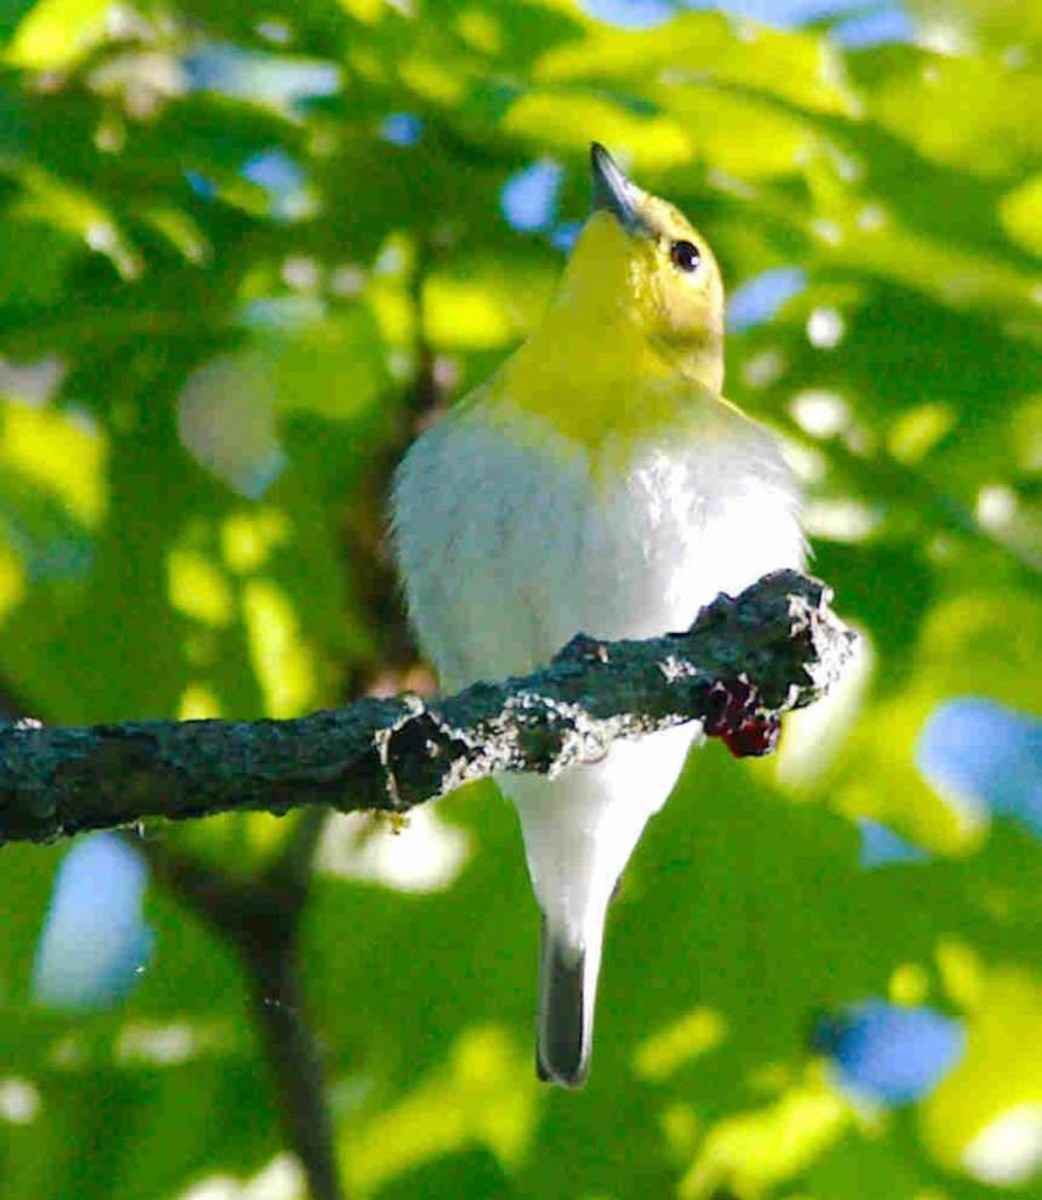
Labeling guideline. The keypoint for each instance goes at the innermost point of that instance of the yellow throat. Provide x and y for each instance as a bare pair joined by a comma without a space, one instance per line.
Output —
636,326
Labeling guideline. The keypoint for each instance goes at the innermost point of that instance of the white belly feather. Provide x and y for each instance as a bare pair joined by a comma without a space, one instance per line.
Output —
510,542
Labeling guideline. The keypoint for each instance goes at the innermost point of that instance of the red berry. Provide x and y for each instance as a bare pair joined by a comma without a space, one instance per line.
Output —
753,738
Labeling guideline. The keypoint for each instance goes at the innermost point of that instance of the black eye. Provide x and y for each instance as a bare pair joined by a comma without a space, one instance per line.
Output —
685,256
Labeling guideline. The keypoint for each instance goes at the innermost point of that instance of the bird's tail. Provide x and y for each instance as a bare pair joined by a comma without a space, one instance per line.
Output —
567,994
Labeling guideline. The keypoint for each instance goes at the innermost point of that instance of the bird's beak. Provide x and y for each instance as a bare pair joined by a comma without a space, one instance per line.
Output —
612,191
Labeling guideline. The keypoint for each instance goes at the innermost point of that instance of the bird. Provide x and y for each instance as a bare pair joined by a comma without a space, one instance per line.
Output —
597,482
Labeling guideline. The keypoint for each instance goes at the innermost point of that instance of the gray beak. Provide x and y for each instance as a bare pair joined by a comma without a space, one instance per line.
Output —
612,191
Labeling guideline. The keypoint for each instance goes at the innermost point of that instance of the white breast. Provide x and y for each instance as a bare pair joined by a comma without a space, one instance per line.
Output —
511,540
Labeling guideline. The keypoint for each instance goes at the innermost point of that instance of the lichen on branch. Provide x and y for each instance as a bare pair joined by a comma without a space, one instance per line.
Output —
743,663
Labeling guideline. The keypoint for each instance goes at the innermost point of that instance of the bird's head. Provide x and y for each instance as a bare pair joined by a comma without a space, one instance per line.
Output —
640,261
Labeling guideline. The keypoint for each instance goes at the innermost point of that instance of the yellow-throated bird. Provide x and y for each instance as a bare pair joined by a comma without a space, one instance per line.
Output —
598,482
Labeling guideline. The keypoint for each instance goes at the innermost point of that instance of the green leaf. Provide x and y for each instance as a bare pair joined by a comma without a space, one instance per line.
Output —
54,34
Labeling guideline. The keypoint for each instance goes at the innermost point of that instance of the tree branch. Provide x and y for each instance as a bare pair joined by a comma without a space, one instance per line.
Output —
743,663
261,919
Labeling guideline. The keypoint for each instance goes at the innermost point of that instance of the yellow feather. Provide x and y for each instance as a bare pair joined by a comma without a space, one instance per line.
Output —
629,342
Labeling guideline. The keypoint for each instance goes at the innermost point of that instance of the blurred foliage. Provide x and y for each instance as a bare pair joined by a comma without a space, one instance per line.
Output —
244,251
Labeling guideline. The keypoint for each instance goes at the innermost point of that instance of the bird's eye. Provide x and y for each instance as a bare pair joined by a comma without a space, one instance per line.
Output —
685,256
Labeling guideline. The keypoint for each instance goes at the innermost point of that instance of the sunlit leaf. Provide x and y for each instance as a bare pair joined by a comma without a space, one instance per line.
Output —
55,33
